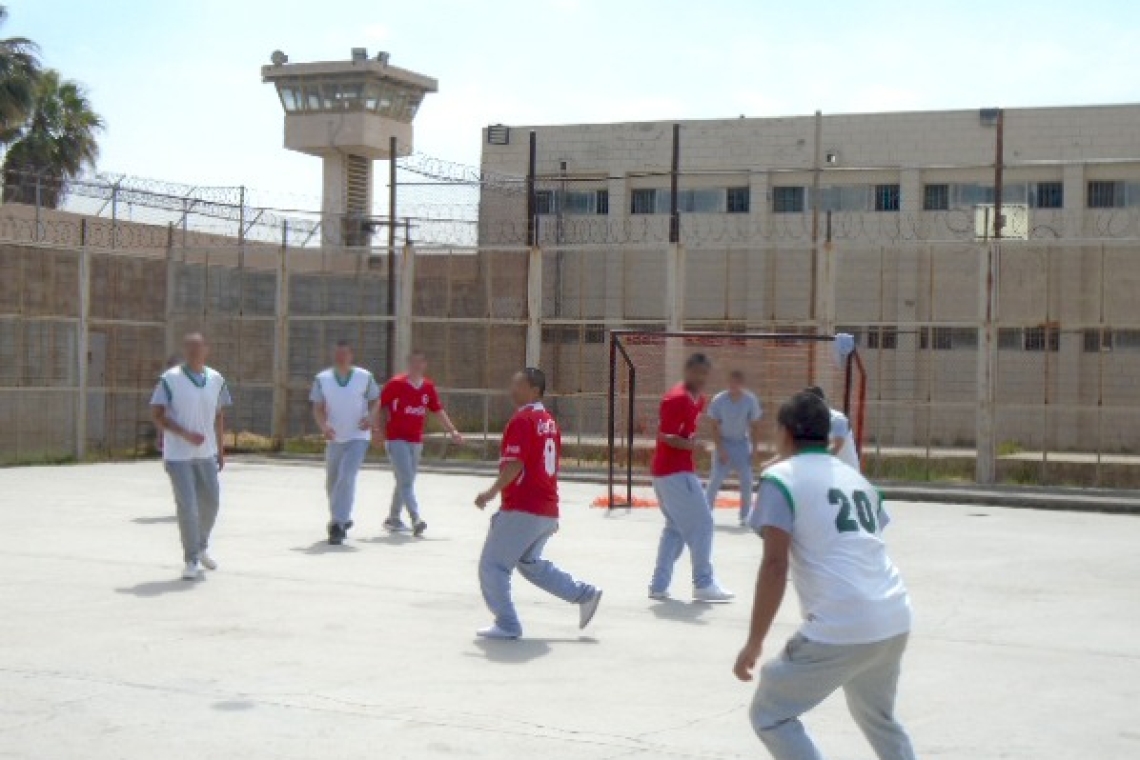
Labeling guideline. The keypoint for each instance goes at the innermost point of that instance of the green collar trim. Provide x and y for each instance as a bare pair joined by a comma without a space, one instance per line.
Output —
347,378
813,450
199,381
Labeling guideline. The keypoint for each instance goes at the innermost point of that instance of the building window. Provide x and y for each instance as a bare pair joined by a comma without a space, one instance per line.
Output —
1105,195
1009,338
544,202
1097,340
887,197
1047,195
738,200
884,338
787,200
1042,339
936,198
947,338
602,202
643,201
850,198
704,201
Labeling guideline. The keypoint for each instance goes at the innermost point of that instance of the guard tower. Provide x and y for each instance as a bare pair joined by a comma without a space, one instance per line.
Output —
350,113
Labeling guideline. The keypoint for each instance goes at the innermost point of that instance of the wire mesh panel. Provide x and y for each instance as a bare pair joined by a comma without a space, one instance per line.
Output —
644,365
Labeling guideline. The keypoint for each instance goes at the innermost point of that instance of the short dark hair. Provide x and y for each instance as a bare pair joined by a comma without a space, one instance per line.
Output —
815,390
806,418
342,343
698,360
536,378
736,374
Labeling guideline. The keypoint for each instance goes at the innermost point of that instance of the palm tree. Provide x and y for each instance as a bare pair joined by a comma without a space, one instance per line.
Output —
55,144
19,71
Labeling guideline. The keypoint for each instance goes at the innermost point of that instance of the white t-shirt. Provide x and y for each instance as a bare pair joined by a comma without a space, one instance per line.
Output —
192,401
346,401
841,428
849,590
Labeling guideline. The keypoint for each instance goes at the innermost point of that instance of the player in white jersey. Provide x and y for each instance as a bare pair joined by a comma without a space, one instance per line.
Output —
186,407
824,521
344,399
841,439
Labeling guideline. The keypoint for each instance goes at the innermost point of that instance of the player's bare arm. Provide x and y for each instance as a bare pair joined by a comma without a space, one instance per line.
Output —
449,426
511,469
771,582
378,429
220,434
369,420
836,445
680,442
163,422
321,417
756,429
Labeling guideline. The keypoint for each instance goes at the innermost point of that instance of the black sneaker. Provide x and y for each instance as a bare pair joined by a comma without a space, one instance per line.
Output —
336,534
418,528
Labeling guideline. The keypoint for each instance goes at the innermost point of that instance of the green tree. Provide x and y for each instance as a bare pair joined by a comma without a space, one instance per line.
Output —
54,145
19,73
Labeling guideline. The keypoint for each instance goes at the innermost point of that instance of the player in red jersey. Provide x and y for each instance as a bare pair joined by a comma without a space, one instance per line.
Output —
405,403
528,517
688,521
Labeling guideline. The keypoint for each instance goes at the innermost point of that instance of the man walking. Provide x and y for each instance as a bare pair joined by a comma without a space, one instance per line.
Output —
822,519
405,403
735,417
528,482
688,521
344,399
841,439
186,407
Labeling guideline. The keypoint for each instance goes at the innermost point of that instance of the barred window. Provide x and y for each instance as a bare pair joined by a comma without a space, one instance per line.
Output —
1047,195
1042,339
544,202
1105,195
1096,340
887,197
787,200
643,201
884,338
738,200
936,198
947,338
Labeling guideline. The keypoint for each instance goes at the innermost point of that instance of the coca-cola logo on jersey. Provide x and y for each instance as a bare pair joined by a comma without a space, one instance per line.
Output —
547,427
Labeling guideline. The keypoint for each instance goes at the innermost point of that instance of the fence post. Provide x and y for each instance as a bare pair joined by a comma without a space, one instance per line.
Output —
405,305
534,307
171,290
281,344
82,342
985,468
675,307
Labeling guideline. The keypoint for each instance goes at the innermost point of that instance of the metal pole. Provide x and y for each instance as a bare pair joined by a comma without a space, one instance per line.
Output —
393,292
532,166
281,344
629,431
815,257
114,214
171,289
83,342
612,433
38,204
674,201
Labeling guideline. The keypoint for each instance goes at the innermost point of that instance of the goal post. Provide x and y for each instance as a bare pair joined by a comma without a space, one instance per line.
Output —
644,364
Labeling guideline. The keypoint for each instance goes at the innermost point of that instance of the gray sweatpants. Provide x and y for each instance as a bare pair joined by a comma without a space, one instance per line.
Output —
342,463
197,496
739,461
405,459
516,540
807,672
688,523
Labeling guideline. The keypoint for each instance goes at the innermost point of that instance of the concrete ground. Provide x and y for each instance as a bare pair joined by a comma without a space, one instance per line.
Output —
1026,645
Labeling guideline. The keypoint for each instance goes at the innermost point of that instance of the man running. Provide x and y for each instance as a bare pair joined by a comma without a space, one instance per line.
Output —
528,517
186,407
824,521
344,399
405,403
735,417
841,441
688,521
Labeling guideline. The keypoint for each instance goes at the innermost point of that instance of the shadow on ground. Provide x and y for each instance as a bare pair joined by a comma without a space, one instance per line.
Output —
520,651
324,547
150,589
686,612
154,520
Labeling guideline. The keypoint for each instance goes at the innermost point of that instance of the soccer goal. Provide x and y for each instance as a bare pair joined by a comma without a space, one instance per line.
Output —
645,364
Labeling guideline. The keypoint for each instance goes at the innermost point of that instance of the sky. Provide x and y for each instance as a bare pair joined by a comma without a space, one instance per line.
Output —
178,82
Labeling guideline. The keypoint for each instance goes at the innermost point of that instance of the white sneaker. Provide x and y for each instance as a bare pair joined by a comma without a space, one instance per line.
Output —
660,596
587,609
713,594
495,632
207,561
192,571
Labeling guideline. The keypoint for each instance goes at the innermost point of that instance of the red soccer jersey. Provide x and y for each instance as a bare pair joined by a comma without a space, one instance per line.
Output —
407,407
532,438
679,413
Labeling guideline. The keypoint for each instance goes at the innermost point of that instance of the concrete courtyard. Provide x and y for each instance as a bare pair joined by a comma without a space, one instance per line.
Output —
1027,642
